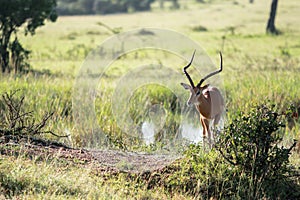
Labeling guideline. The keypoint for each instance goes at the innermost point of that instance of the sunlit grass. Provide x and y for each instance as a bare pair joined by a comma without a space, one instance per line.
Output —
257,68
53,179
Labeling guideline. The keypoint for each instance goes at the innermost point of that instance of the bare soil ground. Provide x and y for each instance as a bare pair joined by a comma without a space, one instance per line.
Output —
105,160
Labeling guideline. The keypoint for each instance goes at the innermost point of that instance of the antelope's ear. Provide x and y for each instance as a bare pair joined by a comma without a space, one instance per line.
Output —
186,86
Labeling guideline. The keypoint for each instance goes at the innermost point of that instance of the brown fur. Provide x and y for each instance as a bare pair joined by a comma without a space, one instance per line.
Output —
210,105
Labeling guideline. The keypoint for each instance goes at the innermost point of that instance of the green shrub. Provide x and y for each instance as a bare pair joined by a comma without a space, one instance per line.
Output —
251,144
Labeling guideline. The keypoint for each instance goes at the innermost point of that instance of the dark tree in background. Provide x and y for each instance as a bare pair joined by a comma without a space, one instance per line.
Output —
16,14
271,22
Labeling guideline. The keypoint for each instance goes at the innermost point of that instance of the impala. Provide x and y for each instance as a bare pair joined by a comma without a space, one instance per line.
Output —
207,100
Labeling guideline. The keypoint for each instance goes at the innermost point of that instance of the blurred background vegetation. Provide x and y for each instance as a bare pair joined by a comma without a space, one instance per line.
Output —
88,7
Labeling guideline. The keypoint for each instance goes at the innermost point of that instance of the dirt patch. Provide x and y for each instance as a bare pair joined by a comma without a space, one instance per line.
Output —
105,160
132,161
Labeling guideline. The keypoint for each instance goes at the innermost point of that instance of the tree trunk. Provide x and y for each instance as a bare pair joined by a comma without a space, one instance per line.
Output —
271,22
4,60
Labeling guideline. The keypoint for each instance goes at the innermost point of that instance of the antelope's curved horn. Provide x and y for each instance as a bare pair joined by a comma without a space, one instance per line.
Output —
213,73
186,73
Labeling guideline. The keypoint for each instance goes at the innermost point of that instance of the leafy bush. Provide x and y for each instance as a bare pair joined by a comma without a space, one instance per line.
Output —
251,143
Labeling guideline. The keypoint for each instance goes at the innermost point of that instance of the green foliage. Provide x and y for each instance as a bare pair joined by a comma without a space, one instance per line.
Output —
251,143
83,7
15,14
204,174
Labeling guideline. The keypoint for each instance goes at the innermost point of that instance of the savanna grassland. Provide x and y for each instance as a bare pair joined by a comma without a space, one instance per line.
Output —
258,69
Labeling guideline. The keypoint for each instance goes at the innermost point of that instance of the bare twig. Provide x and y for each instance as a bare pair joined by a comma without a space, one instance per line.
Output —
20,123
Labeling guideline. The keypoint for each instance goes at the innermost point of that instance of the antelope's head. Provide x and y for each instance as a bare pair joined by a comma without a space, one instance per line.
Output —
196,91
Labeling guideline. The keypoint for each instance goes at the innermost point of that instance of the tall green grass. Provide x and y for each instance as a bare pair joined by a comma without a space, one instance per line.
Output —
257,68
